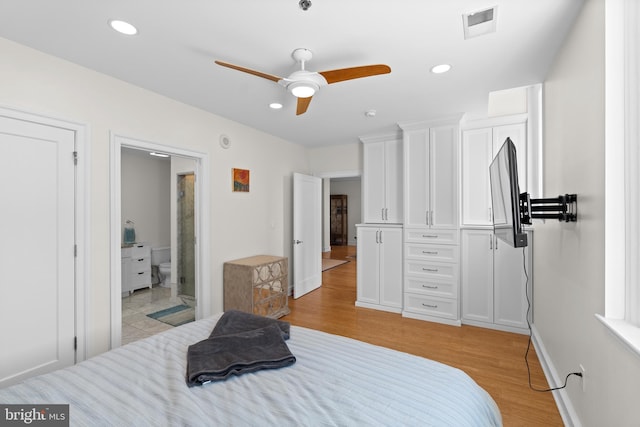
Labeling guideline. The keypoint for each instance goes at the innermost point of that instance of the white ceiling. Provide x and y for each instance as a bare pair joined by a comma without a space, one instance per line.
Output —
178,41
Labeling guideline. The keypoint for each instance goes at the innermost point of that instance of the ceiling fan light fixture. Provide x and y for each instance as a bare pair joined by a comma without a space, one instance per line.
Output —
303,89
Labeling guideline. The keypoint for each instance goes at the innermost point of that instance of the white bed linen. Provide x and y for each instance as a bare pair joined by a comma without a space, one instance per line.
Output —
335,381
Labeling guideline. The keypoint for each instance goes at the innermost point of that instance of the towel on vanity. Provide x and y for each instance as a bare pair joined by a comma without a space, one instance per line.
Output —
233,349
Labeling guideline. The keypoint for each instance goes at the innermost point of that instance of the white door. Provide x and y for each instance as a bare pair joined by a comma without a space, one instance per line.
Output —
373,183
443,182
511,283
307,234
477,275
391,267
416,182
37,314
477,155
393,182
368,274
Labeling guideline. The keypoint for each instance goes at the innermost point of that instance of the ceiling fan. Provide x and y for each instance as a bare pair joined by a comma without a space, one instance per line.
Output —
303,84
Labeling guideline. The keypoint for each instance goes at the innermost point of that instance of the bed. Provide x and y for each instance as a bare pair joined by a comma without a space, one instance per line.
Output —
334,381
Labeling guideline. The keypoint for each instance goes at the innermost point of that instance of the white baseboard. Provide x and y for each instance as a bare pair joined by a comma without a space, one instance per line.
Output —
568,414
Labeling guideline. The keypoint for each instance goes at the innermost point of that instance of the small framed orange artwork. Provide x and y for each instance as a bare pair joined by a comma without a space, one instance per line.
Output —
241,180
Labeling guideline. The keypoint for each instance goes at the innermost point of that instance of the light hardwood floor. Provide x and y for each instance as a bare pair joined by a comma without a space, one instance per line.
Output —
494,359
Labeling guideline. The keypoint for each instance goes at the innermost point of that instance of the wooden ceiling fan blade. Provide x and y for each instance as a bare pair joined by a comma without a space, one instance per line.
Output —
340,75
249,71
303,104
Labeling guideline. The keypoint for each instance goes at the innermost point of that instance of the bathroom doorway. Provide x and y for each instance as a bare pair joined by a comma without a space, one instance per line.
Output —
186,237
183,162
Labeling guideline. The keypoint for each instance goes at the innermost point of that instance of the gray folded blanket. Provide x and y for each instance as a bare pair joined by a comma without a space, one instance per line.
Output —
233,349
234,321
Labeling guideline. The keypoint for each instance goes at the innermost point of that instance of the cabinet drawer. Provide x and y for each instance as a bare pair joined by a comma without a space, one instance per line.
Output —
140,278
444,253
430,235
442,288
140,251
275,306
431,306
432,269
139,265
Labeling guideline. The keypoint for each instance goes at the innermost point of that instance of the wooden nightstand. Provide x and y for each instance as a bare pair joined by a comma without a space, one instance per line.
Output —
257,284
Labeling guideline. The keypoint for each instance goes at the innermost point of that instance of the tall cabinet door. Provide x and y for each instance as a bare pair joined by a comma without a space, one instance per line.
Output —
416,183
368,265
476,188
382,181
391,267
373,182
393,181
512,283
443,183
479,146
477,275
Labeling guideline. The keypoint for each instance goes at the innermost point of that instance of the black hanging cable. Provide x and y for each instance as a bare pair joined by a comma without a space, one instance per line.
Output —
526,354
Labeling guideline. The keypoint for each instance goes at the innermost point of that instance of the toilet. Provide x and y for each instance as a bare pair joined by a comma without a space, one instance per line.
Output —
161,259
165,274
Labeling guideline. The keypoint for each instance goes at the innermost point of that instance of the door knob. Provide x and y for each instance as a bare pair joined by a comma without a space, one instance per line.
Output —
297,242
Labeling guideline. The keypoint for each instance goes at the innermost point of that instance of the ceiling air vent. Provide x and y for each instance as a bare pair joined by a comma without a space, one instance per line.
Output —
480,22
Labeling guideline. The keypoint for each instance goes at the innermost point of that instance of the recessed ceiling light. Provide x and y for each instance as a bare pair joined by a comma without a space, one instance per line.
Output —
275,105
439,69
123,27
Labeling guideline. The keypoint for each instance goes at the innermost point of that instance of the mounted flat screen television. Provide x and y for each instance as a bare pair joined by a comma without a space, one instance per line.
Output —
505,196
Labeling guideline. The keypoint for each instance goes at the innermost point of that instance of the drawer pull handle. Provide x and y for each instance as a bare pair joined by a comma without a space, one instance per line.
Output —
429,286
429,305
430,252
434,270
140,259
141,273
430,236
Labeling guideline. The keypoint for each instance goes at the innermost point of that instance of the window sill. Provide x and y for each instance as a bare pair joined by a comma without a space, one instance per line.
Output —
624,331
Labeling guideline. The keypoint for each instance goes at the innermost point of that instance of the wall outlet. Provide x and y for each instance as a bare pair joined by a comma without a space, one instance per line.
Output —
583,379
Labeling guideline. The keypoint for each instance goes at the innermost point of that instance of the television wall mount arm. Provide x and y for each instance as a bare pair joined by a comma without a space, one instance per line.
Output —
563,208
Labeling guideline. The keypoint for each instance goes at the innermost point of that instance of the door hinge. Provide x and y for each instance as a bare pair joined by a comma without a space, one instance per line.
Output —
75,157
75,251
75,343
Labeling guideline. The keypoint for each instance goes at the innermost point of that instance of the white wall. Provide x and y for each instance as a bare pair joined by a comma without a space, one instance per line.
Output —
146,196
335,158
569,258
242,224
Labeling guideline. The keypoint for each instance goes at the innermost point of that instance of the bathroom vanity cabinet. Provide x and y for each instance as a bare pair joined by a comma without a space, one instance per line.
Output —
258,285
136,267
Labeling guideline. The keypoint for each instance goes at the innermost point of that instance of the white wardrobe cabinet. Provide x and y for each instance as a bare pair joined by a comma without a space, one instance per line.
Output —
496,289
478,147
430,176
431,231
379,275
382,179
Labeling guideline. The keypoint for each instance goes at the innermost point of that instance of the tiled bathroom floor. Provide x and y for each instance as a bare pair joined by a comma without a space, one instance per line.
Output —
135,307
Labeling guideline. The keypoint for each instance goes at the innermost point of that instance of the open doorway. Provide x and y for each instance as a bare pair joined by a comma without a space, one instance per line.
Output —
157,226
346,187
